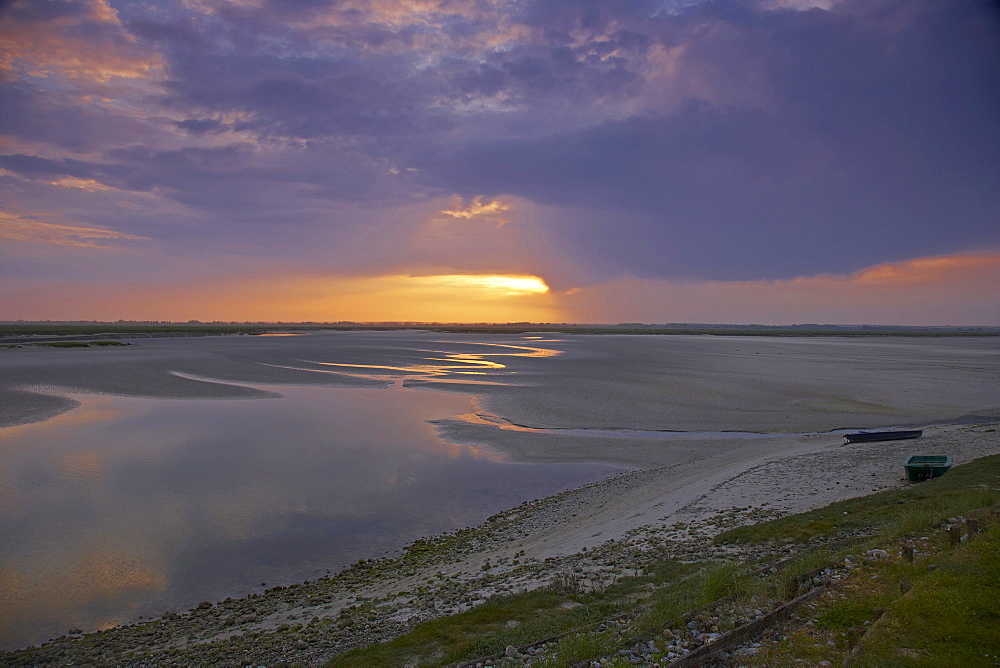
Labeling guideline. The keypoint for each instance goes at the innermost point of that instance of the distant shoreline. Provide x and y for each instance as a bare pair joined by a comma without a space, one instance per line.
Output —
40,332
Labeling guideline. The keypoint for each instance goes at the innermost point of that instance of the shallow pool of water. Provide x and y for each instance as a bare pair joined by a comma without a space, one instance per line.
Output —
129,506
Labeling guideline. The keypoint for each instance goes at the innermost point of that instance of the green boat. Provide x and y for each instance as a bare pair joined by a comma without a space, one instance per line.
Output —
925,467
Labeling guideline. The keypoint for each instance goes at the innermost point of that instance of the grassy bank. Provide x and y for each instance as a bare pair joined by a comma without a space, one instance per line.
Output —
893,513
938,609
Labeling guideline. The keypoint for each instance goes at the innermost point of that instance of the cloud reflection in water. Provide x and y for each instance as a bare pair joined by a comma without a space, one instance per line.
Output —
129,506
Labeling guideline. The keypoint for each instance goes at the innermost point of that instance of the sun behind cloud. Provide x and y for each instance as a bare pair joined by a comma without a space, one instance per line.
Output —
444,297
448,297
490,285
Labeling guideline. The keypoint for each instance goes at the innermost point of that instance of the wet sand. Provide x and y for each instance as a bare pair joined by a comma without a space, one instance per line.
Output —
704,383
602,399
581,400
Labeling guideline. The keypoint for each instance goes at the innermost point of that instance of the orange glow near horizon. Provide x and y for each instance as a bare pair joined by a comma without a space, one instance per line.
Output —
959,289
441,298
926,269
445,297
951,289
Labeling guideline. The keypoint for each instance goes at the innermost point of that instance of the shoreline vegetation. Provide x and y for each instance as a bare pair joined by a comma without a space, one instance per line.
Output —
491,596
21,332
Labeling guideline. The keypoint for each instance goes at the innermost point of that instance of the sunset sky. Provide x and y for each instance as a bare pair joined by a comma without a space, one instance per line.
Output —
750,161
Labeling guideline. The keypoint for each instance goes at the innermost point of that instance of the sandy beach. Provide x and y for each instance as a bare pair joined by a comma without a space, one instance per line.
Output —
711,431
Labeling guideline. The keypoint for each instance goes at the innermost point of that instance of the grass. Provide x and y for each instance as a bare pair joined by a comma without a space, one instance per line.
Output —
667,590
712,582
950,616
892,513
940,610
521,619
946,615
580,647
508,620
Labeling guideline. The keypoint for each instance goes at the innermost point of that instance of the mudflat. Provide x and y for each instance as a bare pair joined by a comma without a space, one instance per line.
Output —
707,427
678,383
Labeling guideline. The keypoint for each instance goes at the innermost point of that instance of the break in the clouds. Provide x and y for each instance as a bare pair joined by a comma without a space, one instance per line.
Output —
587,144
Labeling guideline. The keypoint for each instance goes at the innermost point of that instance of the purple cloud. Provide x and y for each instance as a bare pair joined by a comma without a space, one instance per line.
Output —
867,143
715,139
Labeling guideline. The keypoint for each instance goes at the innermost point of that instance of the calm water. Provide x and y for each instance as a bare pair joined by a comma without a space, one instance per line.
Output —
128,506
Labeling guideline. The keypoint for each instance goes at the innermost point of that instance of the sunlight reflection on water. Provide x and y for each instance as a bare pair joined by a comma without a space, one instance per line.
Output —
452,363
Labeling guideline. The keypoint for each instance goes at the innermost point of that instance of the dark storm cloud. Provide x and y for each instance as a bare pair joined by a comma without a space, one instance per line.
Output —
138,169
199,126
178,31
549,73
879,140
227,179
42,10
32,166
718,139
303,99
368,78
54,118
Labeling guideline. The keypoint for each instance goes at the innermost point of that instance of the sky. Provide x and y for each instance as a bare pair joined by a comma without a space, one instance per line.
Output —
712,161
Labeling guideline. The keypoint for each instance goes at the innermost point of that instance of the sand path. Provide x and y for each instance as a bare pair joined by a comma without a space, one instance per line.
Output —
783,475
